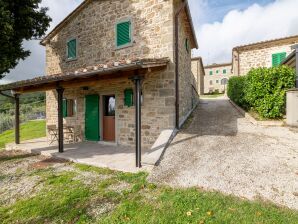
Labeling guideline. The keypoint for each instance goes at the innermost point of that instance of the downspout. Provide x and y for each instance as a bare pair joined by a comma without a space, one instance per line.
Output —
177,13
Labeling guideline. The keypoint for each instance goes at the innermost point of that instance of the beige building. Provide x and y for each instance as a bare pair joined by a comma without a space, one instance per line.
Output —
198,72
262,54
216,77
105,56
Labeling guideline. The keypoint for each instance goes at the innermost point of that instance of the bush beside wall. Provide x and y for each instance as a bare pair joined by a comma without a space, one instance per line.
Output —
263,90
236,90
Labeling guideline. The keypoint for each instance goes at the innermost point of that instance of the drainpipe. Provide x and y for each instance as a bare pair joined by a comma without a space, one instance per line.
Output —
137,80
181,7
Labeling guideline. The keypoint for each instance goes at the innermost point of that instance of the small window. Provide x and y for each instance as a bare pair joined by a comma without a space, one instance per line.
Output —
187,45
69,107
72,49
210,73
210,82
217,71
128,97
217,81
278,58
123,34
224,71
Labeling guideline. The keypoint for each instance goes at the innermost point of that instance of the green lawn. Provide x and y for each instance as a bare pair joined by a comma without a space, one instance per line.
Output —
28,130
85,194
212,95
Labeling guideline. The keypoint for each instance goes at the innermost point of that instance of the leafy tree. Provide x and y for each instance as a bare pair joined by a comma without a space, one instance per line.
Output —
19,20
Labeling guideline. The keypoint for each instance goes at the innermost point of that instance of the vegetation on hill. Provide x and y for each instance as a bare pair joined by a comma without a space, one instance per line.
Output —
32,106
29,130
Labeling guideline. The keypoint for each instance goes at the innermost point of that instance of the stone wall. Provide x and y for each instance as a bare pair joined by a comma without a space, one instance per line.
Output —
94,28
153,33
158,109
214,82
198,73
259,56
187,81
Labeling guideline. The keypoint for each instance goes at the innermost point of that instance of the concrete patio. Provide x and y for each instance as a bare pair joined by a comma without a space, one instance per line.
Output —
90,153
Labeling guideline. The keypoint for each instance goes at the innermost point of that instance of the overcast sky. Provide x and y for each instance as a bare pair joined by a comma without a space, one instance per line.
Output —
220,25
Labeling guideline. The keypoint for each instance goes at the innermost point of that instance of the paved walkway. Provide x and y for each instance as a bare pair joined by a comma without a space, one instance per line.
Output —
115,157
220,150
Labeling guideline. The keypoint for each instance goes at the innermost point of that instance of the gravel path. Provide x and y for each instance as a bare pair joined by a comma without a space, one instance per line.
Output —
220,150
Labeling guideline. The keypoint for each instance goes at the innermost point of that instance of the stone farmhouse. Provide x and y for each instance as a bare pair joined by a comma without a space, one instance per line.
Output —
118,70
198,71
217,76
261,54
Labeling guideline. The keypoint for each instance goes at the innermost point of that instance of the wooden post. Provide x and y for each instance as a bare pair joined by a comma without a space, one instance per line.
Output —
60,119
17,118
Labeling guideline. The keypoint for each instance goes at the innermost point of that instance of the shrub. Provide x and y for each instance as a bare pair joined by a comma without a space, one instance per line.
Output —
265,90
236,90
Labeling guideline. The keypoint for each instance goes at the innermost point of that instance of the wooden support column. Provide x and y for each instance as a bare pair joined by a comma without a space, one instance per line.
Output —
17,118
137,79
60,119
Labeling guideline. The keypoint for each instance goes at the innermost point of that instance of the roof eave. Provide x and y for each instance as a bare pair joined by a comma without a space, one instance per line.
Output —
191,25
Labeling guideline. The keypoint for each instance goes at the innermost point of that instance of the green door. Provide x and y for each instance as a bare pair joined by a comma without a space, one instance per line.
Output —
92,118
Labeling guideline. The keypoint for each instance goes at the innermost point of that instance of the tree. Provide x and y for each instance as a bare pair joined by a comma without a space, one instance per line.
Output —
19,20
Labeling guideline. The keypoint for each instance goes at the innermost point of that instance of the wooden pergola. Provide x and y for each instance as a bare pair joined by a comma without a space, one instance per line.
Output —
135,71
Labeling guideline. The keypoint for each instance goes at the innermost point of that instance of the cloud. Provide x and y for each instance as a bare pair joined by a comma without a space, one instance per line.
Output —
256,23
34,65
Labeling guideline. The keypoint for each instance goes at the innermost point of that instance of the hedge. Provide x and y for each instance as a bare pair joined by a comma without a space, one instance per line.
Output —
235,90
263,89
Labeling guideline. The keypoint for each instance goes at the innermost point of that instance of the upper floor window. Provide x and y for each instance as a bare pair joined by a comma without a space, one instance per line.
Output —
224,71
123,34
217,71
187,45
72,49
210,73
278,58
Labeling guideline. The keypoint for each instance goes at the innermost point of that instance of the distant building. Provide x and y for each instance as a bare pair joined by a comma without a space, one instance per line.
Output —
198,72
261,54
216,78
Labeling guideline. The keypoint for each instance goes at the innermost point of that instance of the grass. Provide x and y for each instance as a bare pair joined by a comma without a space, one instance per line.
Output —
28,130
215,95
66,198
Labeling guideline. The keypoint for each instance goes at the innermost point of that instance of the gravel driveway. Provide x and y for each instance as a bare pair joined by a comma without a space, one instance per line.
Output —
220,150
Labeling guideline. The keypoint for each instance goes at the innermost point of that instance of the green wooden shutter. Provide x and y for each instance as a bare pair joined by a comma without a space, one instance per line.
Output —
278,58
64,108
72,49
187,45
123,33
128,97
224,71
210,73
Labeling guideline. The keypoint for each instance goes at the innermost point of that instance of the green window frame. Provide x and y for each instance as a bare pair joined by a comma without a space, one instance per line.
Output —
123,34
217,71
69,108
278,58
210,73
64,107
128,97
187,45
224,71
72,49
